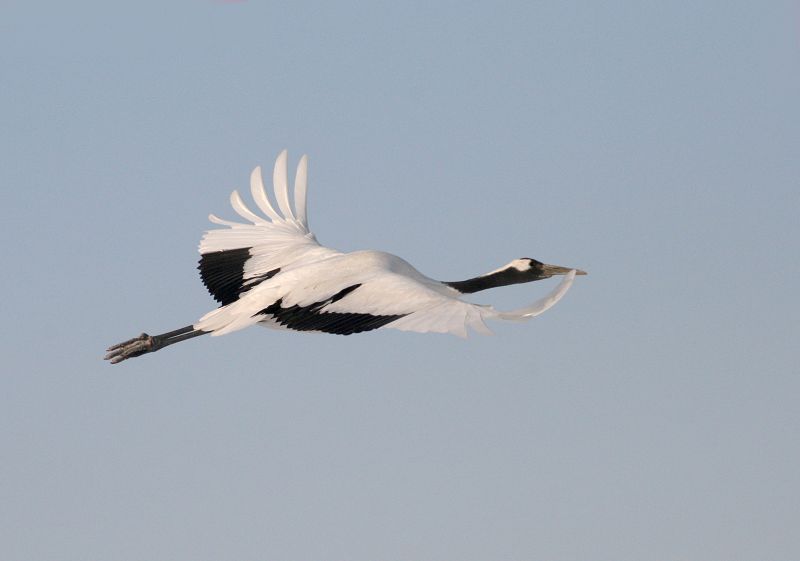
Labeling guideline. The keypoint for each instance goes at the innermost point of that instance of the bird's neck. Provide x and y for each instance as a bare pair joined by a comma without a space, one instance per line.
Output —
490,280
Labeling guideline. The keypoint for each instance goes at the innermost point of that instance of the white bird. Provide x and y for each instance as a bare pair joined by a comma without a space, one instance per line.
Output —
271,271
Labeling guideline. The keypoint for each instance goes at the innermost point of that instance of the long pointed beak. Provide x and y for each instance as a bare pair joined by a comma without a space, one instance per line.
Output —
556,270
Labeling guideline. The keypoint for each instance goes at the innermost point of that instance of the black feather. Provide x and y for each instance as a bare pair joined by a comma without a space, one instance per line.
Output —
223,271
310,318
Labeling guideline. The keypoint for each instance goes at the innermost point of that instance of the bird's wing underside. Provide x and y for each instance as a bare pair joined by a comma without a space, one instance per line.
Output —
308,300
236,258
345,300
430,309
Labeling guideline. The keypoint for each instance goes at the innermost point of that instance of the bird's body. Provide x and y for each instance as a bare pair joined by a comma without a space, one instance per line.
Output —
372,285
271,271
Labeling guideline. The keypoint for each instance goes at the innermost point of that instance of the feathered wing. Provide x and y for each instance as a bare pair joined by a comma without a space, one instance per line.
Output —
236,258
346,295
427,308
270,270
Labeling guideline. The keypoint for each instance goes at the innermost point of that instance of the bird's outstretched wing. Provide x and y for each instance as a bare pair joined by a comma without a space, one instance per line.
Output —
427,308
235,259
316,288
362,291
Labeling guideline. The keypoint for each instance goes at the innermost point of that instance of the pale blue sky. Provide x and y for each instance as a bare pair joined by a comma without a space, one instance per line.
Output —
651,415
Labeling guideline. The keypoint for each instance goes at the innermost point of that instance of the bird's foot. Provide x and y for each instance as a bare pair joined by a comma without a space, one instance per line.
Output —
137,346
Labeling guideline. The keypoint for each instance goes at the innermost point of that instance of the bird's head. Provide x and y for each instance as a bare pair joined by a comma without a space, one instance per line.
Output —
518,271
526,269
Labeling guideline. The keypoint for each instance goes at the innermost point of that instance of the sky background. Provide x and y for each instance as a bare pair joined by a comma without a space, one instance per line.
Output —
651,415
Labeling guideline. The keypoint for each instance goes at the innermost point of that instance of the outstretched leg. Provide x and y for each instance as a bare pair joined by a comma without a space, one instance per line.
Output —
145,343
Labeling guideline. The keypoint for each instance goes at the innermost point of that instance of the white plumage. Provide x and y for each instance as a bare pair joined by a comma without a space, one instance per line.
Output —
311,273
270,270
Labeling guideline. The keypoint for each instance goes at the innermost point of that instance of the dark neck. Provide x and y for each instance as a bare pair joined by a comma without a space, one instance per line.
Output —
493,280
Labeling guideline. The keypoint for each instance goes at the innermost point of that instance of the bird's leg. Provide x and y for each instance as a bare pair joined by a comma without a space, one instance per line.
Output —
145,343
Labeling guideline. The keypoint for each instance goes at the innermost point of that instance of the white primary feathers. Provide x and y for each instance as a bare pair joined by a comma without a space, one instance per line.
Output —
270,270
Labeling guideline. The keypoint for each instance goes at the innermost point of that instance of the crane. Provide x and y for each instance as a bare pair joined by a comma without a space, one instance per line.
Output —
272,271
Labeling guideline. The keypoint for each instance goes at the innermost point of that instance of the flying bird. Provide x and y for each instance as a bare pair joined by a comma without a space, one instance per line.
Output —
272,271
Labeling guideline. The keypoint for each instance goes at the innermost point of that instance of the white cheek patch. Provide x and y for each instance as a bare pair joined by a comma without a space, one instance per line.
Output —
518,264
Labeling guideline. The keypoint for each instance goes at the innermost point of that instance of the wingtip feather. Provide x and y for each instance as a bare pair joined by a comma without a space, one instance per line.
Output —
544,304
300,190
241,209
260,194
280,181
